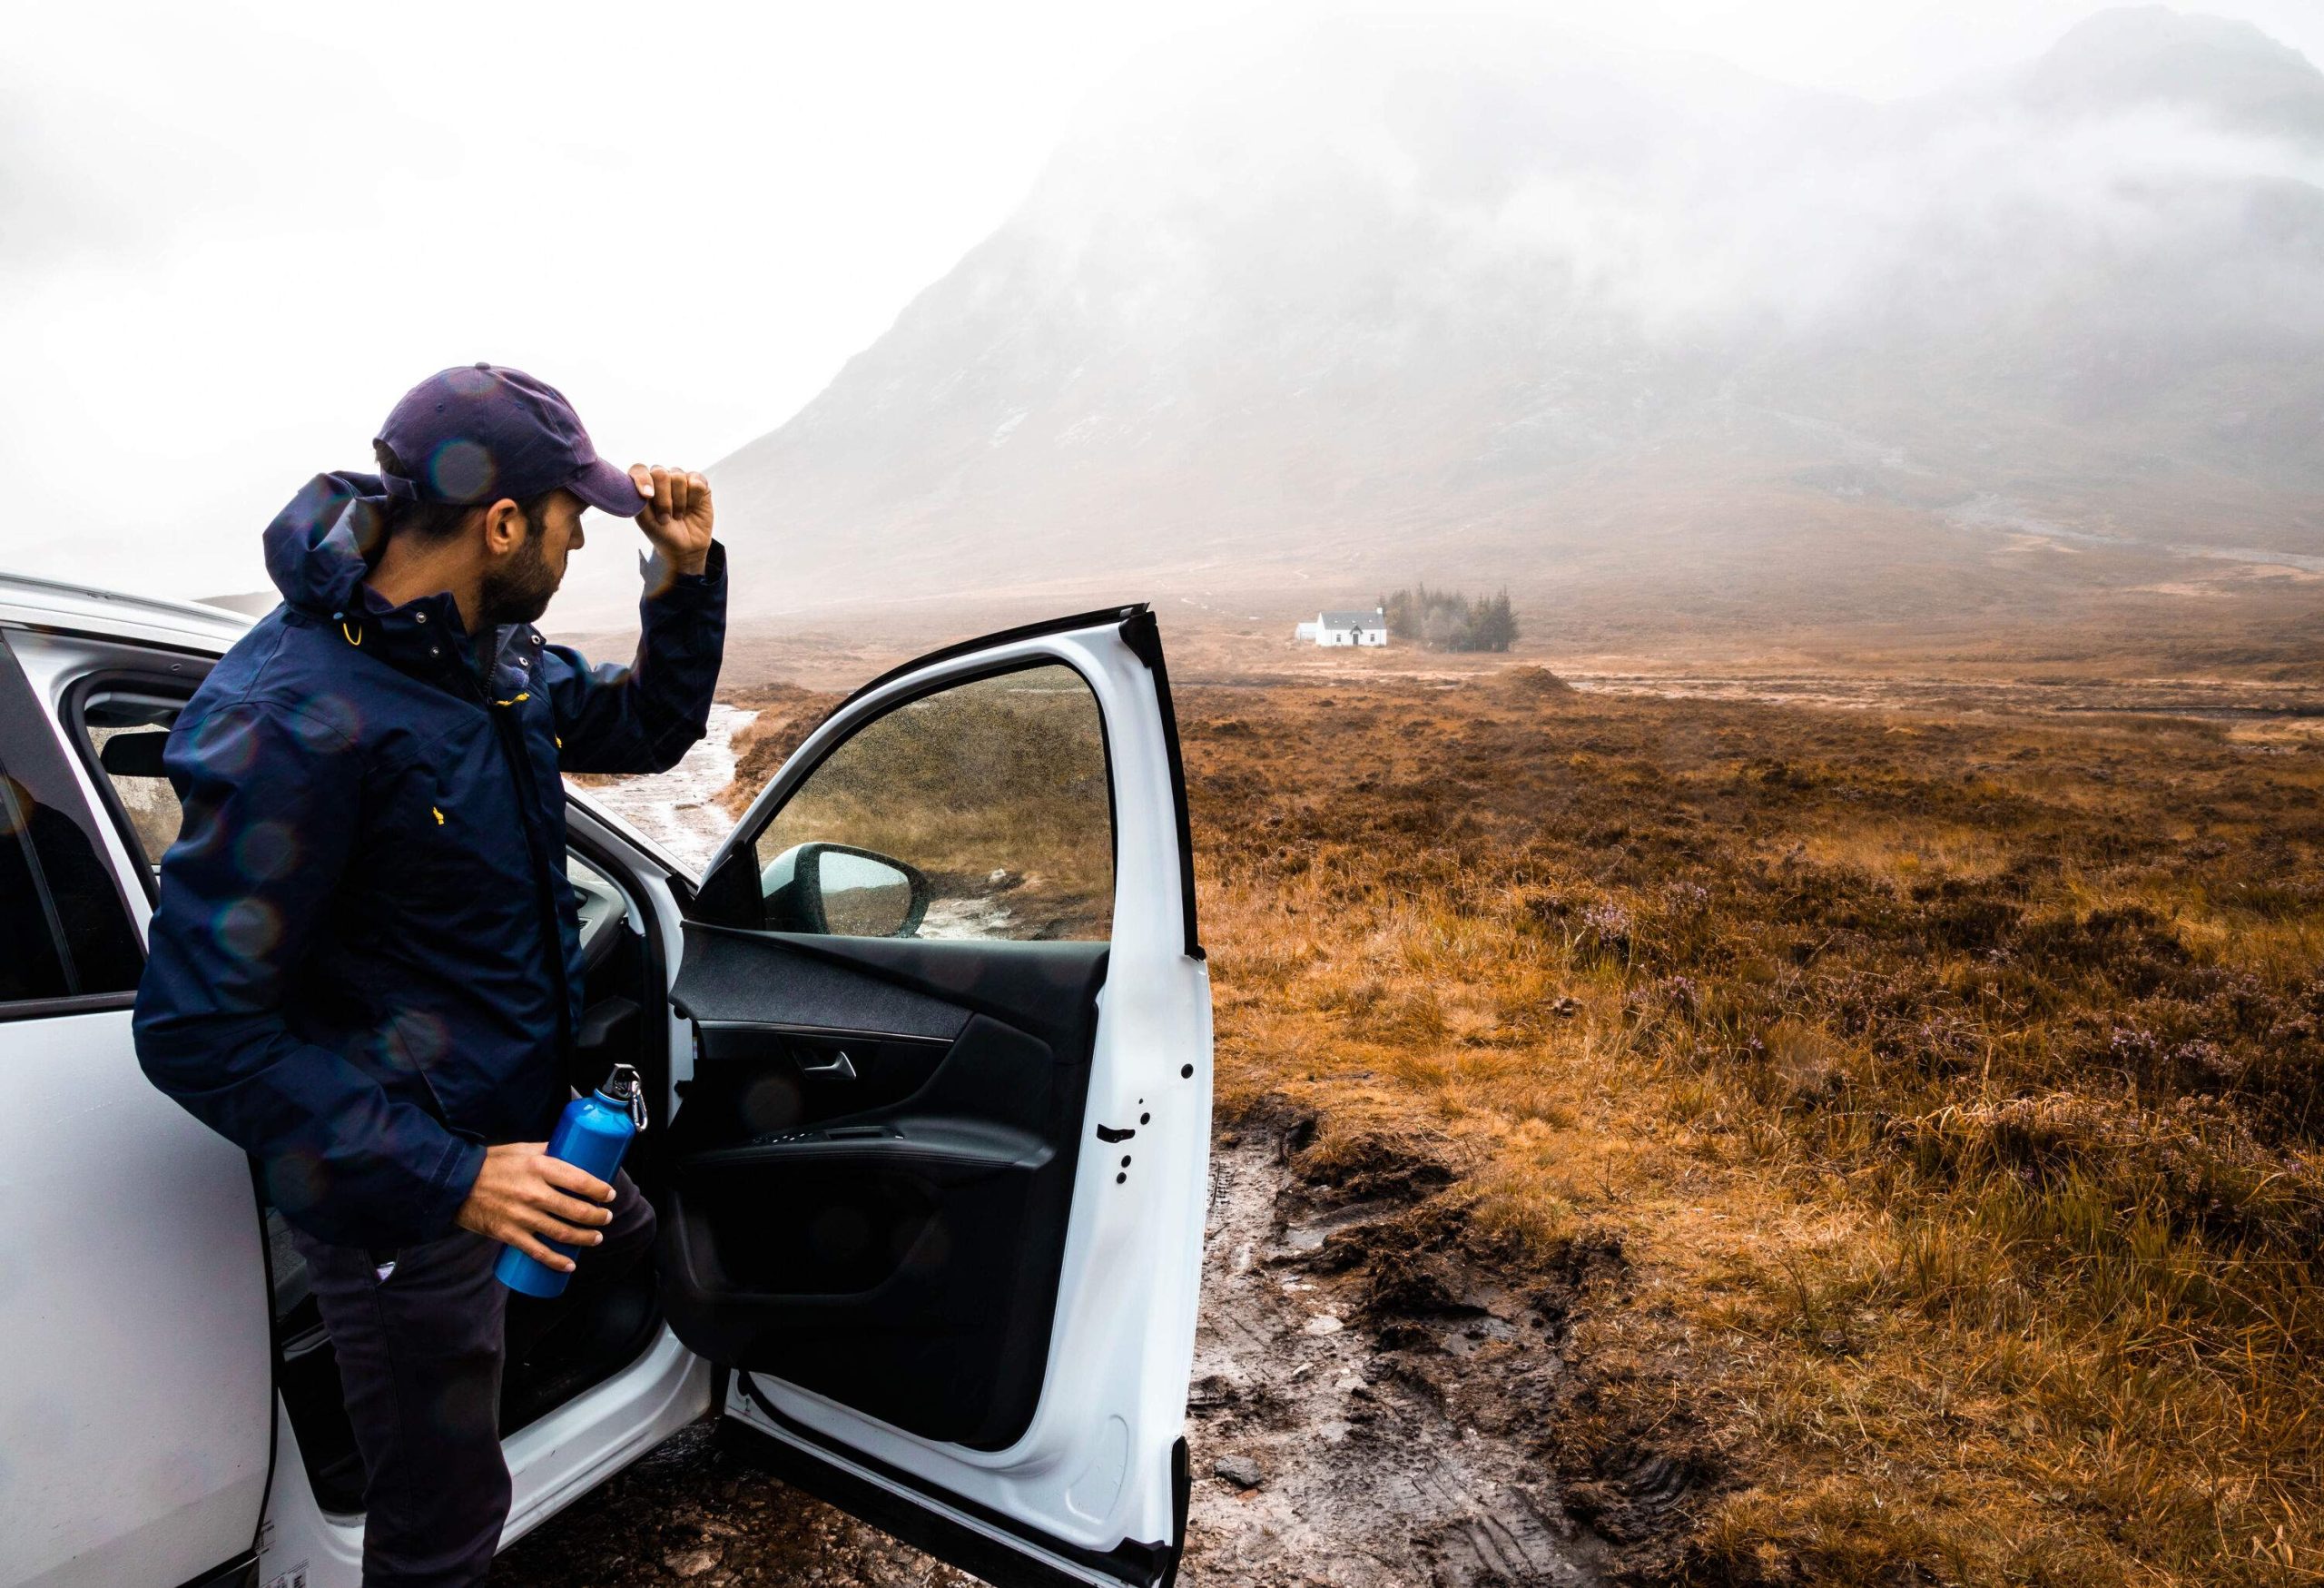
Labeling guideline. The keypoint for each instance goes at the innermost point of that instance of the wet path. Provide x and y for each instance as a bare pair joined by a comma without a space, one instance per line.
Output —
1370,1472
679,809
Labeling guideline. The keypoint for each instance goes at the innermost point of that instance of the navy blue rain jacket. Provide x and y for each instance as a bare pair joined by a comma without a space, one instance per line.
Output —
365,962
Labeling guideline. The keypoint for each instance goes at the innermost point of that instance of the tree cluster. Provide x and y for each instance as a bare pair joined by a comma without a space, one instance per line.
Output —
1446,620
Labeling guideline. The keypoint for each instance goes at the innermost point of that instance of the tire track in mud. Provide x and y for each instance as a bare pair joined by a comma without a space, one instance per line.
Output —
1370,1475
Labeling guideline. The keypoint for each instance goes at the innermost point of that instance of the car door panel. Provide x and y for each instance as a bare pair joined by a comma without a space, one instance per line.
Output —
831,1071
782,981
938,1197
934,1184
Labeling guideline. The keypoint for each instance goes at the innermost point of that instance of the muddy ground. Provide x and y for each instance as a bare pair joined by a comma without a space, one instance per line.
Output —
1372,1398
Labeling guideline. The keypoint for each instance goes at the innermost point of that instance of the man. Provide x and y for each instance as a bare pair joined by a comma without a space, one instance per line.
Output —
364,965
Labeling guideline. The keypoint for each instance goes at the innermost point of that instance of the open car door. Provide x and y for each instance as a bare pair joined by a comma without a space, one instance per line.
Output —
937,1180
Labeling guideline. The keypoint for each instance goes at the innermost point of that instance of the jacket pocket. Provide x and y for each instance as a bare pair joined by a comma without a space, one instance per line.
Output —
421,847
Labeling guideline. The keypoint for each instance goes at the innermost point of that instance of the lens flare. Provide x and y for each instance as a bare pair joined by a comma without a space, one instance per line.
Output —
266,851
417,1040
296,1180
333,713
226,743
248,929
461,471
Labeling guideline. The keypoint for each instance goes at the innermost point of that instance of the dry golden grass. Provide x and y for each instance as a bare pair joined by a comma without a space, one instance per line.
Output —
1952,1086
995,789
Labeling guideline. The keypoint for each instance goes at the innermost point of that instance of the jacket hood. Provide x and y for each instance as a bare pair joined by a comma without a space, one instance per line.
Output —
319,547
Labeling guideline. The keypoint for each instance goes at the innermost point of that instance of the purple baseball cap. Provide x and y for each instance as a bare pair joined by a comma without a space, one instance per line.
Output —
479,432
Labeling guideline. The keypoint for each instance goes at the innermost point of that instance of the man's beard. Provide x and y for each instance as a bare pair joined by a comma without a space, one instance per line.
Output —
519,591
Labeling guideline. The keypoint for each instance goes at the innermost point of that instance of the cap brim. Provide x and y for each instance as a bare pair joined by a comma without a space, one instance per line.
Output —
608,489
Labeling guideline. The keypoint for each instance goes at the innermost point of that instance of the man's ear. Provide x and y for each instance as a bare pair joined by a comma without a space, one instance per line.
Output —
504,528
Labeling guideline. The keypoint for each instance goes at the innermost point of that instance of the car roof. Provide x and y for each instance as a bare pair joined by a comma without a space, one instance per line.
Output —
87,609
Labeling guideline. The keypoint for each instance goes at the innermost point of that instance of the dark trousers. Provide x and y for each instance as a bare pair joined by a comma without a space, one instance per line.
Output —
419,1358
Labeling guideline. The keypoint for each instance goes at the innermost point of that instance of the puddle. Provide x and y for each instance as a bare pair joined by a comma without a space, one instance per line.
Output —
970,918
1309,1235
2229,699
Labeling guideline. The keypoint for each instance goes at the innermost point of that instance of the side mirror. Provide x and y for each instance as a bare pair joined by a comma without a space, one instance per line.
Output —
842,892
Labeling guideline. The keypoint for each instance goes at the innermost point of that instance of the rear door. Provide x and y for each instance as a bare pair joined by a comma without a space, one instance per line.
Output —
135,1403
937,1175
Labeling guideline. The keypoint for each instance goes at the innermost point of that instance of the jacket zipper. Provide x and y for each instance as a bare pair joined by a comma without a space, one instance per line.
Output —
510,733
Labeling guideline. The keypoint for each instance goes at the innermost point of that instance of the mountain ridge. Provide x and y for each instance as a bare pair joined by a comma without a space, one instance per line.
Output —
2150,55
1668,338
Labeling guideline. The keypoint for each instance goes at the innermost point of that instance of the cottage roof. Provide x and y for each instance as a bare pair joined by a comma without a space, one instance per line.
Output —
1369,618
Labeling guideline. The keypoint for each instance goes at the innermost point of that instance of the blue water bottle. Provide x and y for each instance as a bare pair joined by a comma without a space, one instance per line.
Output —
593,1134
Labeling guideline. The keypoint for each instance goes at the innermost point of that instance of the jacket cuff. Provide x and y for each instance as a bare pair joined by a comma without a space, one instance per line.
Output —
714,566
455,1179
712,580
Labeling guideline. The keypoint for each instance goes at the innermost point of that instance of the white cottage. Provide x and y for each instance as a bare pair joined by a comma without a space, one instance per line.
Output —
1348,628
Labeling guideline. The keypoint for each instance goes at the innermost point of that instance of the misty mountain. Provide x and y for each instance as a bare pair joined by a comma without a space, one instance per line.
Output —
1479,302
2140,57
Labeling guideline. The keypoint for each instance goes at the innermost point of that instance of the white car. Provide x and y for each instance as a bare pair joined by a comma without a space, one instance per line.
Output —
928,1137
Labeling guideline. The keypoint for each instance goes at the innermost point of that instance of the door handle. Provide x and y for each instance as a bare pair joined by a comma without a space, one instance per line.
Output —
839,1068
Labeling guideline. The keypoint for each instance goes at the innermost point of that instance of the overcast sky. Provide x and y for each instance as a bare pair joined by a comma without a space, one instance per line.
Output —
231,235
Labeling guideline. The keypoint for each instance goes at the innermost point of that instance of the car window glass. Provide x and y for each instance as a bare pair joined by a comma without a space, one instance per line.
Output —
31,962
980,811
127,733
64,927
62,931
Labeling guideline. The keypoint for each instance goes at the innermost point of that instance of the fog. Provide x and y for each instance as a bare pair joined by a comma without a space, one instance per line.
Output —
1691,199
228,240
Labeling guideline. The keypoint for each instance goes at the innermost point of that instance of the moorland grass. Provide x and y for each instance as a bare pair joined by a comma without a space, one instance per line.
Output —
1952,1086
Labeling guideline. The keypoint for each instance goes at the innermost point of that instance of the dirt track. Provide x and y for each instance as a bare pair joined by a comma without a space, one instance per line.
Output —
1389,1396
1390,1423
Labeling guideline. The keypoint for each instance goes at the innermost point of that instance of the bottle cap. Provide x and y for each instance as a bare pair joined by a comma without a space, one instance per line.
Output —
624,1087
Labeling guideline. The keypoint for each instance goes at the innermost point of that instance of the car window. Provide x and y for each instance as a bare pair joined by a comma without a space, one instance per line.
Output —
63,932
981,811
127,731
31,960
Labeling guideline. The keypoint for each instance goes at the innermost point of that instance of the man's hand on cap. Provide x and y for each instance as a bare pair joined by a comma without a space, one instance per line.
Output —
674,509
